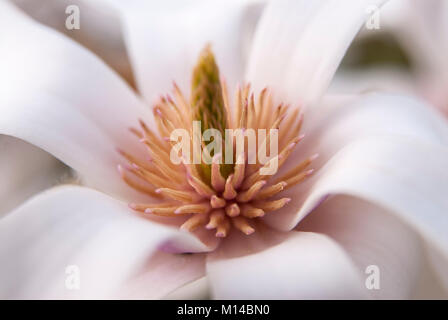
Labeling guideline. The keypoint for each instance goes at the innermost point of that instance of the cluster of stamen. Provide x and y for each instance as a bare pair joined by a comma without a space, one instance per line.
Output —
219,202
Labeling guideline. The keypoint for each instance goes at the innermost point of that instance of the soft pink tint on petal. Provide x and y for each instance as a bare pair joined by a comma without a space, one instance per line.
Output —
57,95
427,40
343,121
109,243
340,120
401,174
372,236
299,44
195,290
302,266
164,273
164,40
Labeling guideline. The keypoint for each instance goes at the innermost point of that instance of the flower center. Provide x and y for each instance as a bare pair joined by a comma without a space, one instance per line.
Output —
216,195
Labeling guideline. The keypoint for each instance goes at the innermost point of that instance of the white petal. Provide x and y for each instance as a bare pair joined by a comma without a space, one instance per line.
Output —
100,28
168,276
382,79
164,41
74,226
25,171
404,175
196,290
372,237
299,44
303,266
58,96
337,121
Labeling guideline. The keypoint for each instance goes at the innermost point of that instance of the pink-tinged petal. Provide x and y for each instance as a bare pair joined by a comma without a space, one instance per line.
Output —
304,265
108,244
401,174
195,290
62,98
168,276
100,28
339,120
372,236
299,44
25,170
164,41
343,120
427,40
429,285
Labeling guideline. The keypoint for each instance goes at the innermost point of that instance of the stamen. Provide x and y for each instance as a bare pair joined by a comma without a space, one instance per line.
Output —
250,211
243,225
218,181
272,205
200,187
299,178
223,228
194,208
229,190
217,202
271,190
249,194
238,176
149,135
299,168
216,196
165,212
183,196
216,217
136,132
194,222
233,210
153,178
135,185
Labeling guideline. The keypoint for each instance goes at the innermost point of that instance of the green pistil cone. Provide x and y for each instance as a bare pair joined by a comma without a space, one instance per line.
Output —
208,103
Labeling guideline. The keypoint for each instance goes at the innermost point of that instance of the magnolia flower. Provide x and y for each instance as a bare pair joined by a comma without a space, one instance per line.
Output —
376,196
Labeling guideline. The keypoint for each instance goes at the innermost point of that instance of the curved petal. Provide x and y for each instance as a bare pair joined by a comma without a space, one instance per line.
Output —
195,290
372,237
339,120
106,242
58,96
342,120
303,266
382,79
164,41
168,276
100,28
25,171
401,174
299,44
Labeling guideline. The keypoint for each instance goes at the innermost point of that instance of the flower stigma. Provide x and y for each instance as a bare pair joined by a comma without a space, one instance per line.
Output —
231,190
